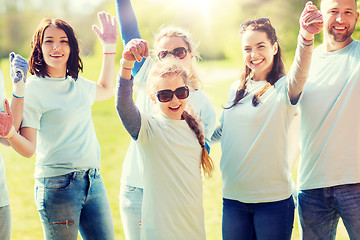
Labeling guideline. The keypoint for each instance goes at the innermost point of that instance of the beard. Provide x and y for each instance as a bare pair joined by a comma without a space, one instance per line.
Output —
341,37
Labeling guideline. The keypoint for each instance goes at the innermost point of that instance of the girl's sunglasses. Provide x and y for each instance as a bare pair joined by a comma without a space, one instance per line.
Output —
167,95
179,52
260,21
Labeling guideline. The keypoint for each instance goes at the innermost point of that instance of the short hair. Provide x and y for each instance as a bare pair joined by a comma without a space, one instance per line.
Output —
37,64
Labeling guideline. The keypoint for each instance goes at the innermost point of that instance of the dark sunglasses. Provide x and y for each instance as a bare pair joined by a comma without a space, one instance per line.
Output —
167,95
179,52
260,21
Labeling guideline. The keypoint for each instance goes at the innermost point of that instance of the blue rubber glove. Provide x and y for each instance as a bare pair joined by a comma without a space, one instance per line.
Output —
18,72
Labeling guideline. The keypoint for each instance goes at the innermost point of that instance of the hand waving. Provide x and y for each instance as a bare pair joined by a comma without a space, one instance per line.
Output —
18,72
108,34
6,122
311,21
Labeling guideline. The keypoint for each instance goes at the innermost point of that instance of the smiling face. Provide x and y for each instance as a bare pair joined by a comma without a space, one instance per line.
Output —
56,51
340,18
175,107
258,53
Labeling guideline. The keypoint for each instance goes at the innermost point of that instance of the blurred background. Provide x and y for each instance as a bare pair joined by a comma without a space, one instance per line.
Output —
214,25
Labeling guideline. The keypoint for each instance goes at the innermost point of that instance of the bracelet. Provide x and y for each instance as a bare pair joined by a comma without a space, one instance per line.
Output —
109,48
17,96
11,133
126,68
126,64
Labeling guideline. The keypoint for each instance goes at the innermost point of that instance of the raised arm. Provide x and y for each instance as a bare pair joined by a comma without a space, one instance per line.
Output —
311,23
128,26
108,36
18,72
135,50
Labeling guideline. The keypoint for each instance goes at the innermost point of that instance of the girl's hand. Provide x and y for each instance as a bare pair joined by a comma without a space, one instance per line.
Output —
311,21
6,122
108,34
135,50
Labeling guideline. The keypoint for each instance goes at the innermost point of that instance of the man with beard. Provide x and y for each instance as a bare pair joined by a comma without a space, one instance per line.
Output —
329,171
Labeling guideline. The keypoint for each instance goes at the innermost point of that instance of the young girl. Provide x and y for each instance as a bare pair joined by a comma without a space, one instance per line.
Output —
172,146
69,191
8,131
170,42
257,189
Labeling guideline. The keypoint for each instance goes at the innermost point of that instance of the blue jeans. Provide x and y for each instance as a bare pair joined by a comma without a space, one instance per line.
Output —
74,202
320,210
130,211
270,220
5,222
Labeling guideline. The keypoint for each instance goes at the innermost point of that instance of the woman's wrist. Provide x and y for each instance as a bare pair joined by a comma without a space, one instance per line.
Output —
127,64
109,48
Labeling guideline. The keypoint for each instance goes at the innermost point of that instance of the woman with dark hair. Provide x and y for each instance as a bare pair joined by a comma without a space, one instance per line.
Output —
70,194
257,183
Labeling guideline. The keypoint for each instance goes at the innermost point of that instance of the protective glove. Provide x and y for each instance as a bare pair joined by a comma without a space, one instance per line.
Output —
18,71
108,34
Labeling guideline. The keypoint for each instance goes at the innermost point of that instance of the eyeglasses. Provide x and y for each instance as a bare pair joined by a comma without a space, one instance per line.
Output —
167,95
260,21
179,52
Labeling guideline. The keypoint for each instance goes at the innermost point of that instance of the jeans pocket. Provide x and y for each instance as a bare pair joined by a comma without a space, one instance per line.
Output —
128,188
39,193
59,182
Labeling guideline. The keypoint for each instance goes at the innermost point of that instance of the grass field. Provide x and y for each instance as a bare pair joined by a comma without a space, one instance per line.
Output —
114,141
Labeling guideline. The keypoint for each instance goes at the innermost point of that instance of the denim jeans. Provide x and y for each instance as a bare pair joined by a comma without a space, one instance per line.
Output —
74,202
130,211
320,210
5,222
246,221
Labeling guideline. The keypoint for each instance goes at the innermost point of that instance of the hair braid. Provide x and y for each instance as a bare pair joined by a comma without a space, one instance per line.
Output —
206,161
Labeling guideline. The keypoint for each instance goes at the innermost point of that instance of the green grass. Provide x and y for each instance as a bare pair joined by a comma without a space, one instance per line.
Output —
114,142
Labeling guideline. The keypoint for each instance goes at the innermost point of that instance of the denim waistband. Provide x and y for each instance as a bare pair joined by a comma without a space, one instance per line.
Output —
92,172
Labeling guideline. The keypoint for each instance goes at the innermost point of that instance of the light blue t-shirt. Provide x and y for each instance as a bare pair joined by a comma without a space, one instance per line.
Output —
254,161
330,119
172,202
4,192
60,110
132,166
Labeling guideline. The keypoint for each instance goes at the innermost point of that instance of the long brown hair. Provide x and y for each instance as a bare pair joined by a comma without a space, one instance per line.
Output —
37,63
277,71
170,67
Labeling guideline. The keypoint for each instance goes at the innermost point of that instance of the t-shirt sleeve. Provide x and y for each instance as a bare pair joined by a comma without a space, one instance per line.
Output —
32,107
147,129
90,88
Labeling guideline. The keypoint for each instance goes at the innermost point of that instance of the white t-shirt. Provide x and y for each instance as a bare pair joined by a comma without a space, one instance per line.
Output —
60,109
254,161
4,192
330,119
172,202
132,169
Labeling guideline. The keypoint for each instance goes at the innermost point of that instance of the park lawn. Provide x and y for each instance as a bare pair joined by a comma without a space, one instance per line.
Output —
114,141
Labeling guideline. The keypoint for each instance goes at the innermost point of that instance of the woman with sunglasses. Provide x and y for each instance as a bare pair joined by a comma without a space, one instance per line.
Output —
172,146
257,183
170,42
70,194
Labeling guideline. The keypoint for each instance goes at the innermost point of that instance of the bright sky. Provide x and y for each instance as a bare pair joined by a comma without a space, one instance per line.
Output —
75,5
